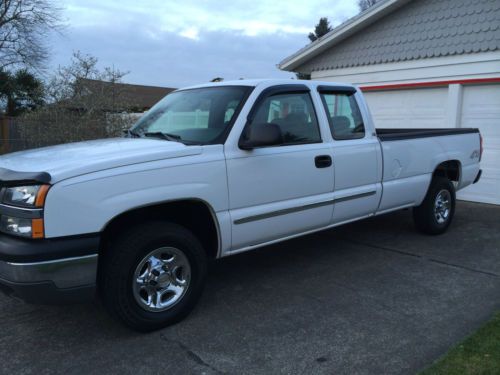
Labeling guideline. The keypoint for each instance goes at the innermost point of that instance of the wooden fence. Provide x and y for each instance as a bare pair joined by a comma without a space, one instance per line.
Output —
18,133
4,134
11,138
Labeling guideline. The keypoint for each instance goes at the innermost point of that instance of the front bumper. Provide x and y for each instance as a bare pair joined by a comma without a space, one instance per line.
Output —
51,270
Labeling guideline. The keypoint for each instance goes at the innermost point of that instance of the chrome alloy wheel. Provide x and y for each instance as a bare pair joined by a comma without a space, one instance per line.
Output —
161,279
442,206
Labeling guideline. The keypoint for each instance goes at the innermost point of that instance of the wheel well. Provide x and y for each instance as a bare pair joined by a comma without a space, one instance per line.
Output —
193,214
449,169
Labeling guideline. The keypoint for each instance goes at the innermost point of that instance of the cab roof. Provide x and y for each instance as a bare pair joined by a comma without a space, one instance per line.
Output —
267,82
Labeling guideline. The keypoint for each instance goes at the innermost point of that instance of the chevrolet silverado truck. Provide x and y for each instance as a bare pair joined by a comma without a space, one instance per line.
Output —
210,171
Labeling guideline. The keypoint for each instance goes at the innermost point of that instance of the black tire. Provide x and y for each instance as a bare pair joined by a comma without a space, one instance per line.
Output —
425,217
121,259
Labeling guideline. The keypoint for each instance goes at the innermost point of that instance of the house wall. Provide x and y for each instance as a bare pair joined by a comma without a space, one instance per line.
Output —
475,66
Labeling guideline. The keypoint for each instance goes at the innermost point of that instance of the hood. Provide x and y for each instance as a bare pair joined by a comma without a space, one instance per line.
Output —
74,159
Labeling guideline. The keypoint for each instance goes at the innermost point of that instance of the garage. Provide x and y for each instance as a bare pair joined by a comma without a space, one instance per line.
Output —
432,108
421,65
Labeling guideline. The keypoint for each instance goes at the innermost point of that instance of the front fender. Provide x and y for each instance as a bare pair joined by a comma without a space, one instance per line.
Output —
85,204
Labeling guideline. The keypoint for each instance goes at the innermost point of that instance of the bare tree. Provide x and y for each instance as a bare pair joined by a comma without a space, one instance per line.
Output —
82,80
24,28
365,4
84,102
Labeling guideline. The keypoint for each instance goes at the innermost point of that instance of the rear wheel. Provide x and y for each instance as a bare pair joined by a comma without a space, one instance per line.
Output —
436,212
152,276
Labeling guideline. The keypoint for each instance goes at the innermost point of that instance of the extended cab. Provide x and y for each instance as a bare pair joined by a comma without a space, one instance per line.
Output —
210,171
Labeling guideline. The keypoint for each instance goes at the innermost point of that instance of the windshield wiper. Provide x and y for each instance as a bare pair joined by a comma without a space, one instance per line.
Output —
166,136
132,134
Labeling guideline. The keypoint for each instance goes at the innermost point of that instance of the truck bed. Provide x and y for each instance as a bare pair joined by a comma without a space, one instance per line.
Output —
410,156
400,133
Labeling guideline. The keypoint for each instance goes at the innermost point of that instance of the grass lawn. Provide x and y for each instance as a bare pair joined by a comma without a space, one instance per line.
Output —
478,354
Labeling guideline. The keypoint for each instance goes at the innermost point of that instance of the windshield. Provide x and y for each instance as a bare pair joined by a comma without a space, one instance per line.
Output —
194,116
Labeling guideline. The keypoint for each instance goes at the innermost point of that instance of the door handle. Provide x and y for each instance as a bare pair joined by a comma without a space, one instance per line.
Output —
323,161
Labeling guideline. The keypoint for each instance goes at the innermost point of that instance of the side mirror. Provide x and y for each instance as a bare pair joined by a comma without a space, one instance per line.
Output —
260,135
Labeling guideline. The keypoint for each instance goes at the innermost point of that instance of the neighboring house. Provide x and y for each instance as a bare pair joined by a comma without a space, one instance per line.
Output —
130,98
421,63
117,106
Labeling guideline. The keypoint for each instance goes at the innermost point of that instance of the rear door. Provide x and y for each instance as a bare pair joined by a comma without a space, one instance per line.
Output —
356,155
282,190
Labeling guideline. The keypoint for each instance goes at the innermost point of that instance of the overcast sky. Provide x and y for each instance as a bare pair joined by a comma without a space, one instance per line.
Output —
184,42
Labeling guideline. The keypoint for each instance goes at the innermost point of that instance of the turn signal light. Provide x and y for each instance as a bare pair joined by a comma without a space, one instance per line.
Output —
37,228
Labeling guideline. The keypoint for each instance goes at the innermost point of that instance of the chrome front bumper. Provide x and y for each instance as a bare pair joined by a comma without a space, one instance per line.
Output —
64,273
49,271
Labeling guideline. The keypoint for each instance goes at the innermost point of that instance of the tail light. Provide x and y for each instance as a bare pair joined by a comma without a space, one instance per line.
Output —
480,146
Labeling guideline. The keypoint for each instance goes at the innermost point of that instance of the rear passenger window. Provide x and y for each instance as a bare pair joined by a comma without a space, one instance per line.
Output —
294,114
344,116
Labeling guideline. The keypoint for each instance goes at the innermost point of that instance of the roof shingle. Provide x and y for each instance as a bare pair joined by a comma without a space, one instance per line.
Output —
420,29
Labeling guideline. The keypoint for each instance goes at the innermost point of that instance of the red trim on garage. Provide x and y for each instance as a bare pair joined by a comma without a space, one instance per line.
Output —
430,84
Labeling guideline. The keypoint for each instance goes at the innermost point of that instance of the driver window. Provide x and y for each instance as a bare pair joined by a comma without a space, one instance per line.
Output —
344,116
230,109
295,116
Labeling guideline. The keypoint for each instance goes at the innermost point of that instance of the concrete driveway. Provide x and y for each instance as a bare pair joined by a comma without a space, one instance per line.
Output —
368,298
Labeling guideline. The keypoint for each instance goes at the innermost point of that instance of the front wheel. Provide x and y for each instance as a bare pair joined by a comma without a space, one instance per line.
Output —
153,275
436,212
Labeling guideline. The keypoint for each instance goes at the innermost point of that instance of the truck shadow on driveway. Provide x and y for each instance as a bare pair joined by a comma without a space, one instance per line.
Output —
369,297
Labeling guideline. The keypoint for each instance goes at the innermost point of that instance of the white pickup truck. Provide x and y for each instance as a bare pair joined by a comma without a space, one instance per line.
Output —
210,171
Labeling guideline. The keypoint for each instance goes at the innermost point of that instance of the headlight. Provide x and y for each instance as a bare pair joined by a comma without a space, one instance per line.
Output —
30,196
21,211
16,225
31,228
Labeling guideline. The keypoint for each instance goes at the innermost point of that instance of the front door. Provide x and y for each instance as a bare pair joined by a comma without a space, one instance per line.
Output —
286,189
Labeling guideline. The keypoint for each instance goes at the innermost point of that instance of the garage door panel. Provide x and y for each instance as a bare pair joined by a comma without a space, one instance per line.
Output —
422,108
485,191
426,122
481,109
428,108
389,122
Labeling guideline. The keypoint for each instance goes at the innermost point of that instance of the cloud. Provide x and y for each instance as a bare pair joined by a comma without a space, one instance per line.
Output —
170,59
252,18
172,44
191,33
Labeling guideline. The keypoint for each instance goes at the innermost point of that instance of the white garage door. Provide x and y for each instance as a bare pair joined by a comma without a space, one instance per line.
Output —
428,108
481,109
418,108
